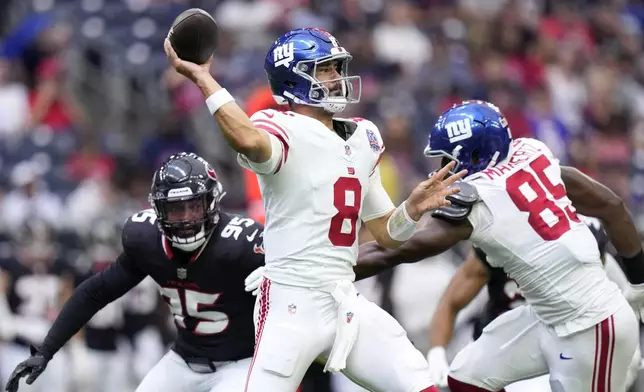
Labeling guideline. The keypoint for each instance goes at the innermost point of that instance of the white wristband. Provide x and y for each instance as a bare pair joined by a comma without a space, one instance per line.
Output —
400,226
218,99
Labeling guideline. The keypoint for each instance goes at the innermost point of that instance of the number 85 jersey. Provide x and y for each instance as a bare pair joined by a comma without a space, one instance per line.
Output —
316,189
527,225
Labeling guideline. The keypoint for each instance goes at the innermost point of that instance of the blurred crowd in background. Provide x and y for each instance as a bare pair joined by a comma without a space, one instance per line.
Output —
88,108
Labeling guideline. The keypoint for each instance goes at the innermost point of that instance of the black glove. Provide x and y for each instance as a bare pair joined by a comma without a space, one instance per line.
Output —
31,368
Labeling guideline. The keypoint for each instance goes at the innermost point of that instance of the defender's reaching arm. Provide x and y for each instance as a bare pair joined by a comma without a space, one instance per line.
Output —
466,283
468,280
90,297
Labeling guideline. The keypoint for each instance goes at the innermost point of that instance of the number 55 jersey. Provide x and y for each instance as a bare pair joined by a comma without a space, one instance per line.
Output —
317,187
526,224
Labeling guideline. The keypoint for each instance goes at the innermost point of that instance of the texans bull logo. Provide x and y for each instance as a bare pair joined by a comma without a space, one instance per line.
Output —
211,173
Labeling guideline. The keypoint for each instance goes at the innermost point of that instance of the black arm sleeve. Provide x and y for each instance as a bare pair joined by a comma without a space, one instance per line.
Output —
91,296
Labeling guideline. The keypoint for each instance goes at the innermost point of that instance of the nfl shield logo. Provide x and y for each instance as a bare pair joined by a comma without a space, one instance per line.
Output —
349,317
182,273
373,141
292,308
347,150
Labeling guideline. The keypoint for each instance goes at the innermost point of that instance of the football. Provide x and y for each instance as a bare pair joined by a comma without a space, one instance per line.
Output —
194,35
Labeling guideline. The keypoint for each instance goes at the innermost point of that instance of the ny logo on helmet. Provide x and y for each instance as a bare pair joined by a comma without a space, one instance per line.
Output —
283,55
459,130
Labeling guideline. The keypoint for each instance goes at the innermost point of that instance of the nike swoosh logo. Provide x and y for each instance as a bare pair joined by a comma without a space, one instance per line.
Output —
561,356
269,115
252,236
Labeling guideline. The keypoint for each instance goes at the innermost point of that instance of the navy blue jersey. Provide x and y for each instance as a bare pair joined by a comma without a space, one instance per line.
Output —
204,290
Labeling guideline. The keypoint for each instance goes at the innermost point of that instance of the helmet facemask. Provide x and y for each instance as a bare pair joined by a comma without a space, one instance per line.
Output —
446,158
349,88
187,222
470,162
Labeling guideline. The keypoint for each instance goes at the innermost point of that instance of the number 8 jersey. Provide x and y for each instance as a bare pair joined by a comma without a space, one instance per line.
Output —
316,189
527,225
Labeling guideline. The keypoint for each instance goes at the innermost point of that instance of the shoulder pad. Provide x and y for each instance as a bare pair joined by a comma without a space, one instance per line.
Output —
452,213
462,203
467,196
140,229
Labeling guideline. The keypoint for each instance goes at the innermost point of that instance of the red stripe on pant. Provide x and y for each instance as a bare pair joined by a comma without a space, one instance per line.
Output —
612,352
595,363
264,305
604,347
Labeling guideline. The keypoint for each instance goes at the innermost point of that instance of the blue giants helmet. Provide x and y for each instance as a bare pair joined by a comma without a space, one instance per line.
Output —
291,65
475,134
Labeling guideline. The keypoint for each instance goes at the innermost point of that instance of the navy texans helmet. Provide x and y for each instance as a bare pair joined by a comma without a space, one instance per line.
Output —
185,195
475,134
293,61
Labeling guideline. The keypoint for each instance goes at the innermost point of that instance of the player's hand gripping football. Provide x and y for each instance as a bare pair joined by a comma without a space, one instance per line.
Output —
634,294
192,71
431,193
30,368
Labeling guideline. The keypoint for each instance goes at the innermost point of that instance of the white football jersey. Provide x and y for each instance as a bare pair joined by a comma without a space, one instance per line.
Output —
527,225
316,189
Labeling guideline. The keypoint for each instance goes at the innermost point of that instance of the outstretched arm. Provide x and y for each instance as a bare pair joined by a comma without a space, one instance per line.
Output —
396,226
468,280
90,297
235,125
594,199
435,238
466,283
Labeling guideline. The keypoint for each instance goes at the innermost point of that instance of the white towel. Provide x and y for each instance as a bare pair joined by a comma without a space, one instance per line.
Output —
347,326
